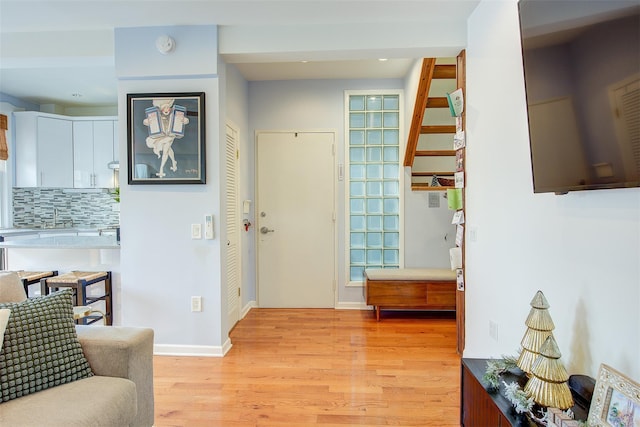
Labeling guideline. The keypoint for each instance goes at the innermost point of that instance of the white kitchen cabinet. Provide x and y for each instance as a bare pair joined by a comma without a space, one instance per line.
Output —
65,152
93,149
103,153
44,150
82,154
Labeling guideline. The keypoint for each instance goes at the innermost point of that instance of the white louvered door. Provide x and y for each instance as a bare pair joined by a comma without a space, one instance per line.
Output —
233,227
627,122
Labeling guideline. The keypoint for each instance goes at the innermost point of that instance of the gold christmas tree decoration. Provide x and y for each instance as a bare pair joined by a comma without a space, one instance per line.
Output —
539,328
548,382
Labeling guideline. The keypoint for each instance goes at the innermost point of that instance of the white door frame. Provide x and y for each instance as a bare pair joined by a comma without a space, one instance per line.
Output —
334,132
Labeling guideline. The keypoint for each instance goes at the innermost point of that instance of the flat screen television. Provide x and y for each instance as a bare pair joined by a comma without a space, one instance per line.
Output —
581,63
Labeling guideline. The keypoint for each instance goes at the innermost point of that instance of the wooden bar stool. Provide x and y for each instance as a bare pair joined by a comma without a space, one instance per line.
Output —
29,278
82,311
79,281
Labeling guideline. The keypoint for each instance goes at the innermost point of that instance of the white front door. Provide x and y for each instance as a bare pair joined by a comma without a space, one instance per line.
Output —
295,219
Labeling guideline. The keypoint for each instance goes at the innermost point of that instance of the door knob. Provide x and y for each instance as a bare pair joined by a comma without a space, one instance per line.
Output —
265,230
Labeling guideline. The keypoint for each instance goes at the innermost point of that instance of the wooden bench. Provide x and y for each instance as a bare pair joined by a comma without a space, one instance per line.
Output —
410,288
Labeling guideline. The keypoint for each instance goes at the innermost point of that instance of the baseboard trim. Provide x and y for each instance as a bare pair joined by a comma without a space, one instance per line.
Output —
192,350
339,306
352,306
247,308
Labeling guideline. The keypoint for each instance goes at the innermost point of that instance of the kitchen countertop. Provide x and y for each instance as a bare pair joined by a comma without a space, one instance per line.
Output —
11,232
57,230
59,238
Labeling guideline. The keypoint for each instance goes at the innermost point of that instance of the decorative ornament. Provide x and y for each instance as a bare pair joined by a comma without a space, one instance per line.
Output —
521,401
539,358
539,328
548,383
495,368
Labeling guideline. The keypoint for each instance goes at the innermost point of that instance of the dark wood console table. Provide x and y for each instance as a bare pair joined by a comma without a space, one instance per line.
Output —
479,408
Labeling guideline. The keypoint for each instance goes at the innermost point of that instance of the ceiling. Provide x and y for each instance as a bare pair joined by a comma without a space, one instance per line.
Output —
61,52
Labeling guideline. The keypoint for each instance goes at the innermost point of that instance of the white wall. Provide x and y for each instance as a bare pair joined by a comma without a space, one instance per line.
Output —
161,266
313,105
91,111
318,104
582,249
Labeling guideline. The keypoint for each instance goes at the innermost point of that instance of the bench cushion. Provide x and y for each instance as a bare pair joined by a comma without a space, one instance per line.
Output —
426,274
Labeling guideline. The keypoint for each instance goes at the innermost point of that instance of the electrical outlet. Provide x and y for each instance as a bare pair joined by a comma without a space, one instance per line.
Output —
196,304
493,329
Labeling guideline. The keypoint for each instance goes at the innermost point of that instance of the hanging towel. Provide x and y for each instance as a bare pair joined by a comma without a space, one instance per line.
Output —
4,150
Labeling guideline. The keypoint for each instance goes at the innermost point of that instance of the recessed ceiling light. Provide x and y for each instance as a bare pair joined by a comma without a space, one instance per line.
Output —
304,62
382,59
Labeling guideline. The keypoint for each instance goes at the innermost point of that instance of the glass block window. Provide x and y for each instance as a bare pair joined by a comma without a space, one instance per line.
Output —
373,159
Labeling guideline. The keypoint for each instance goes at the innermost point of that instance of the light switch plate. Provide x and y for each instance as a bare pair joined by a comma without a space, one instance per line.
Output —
196,303
196,231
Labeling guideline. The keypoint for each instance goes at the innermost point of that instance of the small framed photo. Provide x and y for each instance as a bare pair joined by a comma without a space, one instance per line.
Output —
166,138
616,400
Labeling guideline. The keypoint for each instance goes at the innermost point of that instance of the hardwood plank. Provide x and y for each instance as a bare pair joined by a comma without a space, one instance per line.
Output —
318,367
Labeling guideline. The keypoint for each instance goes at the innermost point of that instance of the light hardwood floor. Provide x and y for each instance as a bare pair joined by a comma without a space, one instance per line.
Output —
318,367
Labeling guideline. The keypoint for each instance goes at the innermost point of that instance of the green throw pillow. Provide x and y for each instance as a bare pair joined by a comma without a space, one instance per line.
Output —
41,348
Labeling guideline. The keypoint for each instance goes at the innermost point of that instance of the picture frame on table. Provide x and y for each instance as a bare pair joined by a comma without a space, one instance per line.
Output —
166,138
616,400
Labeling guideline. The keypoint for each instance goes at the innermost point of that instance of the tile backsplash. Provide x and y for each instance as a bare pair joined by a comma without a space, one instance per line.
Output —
36,207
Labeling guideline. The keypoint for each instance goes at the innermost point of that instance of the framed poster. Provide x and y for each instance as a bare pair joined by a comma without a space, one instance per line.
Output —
166,138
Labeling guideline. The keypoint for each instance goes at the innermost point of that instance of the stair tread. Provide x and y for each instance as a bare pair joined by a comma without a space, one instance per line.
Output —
429,153
438,129
427,187
444,71
437,102
428,173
